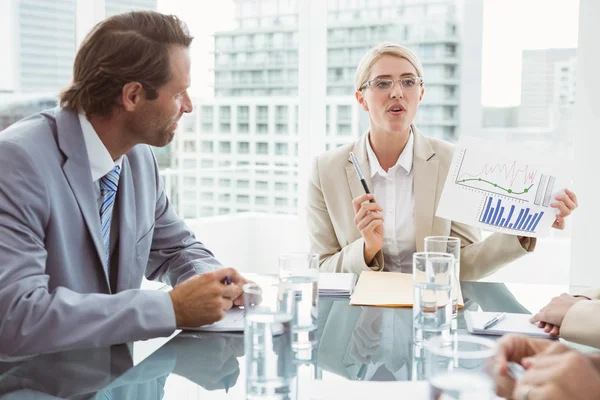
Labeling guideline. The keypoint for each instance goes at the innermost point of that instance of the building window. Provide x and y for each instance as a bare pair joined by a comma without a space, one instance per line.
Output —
262,185
207,114
224,197
243,113
281,201
189,146
189,180
207,127
281,129
189,163
208,196
344,113
261,200
206,211
225,114
262,148
223,210
207,147
243,128
224,182
207,163
243,199
189,211
243,147
225,147
243,183
189,123
262,114
344,129
281,149
225,128
207,181
281,113
281,186
262,129
189,195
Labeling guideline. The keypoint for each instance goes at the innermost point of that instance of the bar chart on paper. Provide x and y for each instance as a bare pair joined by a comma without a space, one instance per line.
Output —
503,190
516,218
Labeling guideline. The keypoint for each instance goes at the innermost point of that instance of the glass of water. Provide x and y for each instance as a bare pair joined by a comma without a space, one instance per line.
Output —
432,305
301,272
267,339
461,368
450,245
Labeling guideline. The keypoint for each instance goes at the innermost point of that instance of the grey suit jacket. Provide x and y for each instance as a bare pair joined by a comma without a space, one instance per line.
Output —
54,291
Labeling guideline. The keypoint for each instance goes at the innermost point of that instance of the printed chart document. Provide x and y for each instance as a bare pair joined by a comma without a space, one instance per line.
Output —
512,323
386,289
496,187
336,284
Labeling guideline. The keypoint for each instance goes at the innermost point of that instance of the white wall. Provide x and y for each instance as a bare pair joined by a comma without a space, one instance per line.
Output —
8,46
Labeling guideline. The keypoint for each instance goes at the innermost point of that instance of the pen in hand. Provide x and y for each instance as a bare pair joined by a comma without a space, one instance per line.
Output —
360,174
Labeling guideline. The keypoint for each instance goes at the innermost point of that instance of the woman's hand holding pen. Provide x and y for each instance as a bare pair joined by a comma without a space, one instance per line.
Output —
369,221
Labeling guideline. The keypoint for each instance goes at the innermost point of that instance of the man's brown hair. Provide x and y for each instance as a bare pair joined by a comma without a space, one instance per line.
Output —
130,47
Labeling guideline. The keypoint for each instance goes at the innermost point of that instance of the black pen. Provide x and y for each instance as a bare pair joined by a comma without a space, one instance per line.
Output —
360,175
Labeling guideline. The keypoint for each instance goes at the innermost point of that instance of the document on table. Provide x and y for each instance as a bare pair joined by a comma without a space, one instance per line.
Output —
336,284
386,289
504,188
233,322
512,323
359,390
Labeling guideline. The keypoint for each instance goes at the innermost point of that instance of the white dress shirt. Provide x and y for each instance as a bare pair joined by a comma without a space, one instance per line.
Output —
101,163
394,192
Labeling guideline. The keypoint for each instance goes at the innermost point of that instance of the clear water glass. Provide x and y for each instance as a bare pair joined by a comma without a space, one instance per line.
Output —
301,272
460,368
432,302
450,245
267,339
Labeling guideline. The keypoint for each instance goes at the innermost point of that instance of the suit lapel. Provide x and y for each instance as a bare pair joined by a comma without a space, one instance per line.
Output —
425,187
360,151
77,171
127,224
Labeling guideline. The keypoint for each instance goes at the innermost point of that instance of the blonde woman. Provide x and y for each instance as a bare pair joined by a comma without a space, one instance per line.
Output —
406,171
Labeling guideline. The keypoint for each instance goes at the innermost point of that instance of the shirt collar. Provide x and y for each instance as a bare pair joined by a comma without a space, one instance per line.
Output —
101,163
405,160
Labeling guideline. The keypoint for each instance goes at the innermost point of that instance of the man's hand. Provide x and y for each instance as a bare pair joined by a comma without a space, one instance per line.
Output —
203,299
558,373
514,348
551,317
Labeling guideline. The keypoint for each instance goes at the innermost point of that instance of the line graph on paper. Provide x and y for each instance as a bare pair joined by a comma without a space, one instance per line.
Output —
512,179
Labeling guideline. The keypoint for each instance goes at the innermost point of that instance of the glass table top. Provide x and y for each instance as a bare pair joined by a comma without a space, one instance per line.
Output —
355,343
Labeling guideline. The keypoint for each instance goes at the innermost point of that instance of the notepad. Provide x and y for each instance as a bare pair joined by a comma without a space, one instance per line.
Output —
386,289
336,284
233,322
512,323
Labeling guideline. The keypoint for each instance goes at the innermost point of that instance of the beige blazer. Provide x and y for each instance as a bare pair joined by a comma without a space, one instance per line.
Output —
582,321
332,233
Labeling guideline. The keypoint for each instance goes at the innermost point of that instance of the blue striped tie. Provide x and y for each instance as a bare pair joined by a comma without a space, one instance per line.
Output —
108,189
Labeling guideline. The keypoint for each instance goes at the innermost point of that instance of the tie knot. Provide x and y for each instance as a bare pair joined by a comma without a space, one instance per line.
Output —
110,181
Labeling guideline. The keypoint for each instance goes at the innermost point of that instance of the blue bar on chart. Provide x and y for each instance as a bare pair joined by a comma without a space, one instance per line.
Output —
525,220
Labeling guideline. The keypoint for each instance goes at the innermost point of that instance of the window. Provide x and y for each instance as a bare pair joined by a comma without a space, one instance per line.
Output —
223,210
207,127
189,211
243,147
262,185
225,114
262,148
207,147
207,163
262,129
207,196
261,200
243,183
243,199
281,201
207,114
281,149
281,186
243,128
189,163
225,128
224,197
207,181
281,129
224,182
189,123
262,114
189,146
189,195
225,147
206,211
281,113
243,113
189,180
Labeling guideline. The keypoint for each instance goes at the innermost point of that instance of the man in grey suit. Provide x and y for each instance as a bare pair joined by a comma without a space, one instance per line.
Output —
83,212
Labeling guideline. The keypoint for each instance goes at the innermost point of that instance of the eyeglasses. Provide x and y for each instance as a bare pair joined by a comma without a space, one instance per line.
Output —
384,85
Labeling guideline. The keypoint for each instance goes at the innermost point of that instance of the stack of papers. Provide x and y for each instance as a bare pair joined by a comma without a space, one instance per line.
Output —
336,284
234,321
512,323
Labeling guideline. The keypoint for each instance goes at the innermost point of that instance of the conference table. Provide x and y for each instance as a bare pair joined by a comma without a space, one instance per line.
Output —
368,345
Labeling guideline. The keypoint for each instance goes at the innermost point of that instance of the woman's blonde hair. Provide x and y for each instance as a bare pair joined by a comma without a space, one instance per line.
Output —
366,63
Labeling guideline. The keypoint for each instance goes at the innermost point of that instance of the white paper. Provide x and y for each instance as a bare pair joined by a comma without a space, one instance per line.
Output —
502,188
336,284
512,323
233,322
360,390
